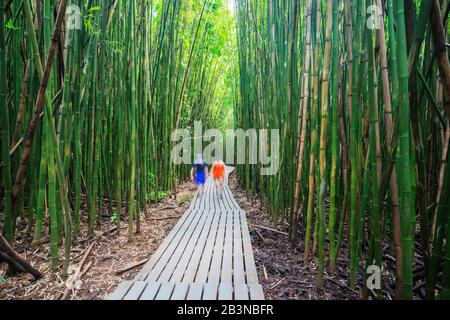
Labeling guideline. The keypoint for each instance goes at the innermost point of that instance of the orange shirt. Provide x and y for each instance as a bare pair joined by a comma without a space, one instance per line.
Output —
219,170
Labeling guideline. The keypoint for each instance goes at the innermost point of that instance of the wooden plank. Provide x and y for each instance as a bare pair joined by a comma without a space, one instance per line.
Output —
256,292
196,204
195,291
172,237
226,199
216,200
165,292
225,292
238,261
182,254
204,196
201,204
201,259
229,195
216,264
210,194
241,292
213,196
218,203
233,203
224,203
159,267
135,291
121,291
250,268
180,291
188,270
227,259
150,291
209,257
193,202
210,291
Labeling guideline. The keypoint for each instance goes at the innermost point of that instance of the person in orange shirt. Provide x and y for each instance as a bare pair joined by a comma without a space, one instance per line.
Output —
218,170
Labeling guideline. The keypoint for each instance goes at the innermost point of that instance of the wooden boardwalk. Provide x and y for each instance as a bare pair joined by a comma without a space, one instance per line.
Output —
207,256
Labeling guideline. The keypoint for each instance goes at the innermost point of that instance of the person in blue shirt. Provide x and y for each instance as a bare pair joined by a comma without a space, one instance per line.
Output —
199,173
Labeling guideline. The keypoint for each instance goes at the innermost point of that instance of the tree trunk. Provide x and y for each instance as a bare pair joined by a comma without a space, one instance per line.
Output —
8,254
441,51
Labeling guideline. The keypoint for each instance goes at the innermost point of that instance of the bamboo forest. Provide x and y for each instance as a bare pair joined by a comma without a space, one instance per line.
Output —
349,101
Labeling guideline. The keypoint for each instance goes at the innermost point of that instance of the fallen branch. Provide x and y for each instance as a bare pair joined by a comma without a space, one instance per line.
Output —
259,235
166,218
342,285
166,209
277,284
9,251
268,229
265,273
12,263
77,275
119,272
86,270
109,231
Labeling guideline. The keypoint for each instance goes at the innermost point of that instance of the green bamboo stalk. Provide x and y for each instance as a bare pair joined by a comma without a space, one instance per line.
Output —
51,198
6,168
375,160
404,152
41,197
422,21
334,139
303,114
44,99
314,132
354,142
323,142
387,97
133,141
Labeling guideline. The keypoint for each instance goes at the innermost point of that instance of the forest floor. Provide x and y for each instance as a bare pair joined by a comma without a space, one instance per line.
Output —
280,263
108,255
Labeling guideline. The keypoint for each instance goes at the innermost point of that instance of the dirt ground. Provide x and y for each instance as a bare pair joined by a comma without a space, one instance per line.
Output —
110,253
280,263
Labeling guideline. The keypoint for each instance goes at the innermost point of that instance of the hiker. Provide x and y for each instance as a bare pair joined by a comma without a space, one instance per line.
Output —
218,170
199,173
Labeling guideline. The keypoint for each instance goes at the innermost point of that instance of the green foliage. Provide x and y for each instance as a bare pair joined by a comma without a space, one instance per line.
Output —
107,131
10,25
156,196
360,129
89,20
185,198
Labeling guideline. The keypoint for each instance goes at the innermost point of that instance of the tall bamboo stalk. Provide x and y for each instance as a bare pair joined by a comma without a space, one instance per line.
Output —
4,109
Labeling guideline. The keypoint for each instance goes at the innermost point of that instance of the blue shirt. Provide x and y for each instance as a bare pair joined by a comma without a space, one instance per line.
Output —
199,167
